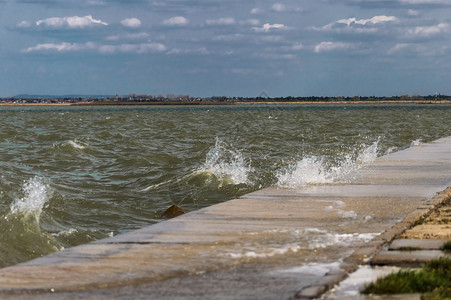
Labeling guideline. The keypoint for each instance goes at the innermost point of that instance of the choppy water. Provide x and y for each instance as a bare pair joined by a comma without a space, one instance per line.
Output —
70,175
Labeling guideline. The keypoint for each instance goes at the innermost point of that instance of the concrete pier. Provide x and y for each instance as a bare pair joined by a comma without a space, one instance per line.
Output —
275,243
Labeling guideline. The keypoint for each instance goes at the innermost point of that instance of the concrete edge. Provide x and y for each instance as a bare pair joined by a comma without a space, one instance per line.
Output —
366,253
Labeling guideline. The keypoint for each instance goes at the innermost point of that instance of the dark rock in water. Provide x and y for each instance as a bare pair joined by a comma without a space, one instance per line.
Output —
173,211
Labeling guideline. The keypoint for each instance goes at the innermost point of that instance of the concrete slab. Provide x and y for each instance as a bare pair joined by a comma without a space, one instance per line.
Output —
270,244
420,244
407,258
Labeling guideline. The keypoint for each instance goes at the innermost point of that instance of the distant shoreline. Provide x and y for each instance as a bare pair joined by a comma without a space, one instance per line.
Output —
217,103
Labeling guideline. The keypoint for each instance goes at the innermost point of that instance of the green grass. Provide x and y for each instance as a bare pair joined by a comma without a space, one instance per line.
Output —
420,221
433,281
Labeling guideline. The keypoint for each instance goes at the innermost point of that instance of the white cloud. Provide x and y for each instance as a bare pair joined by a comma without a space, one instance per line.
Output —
271,38
267,27
199,51
256,11
62,47
276,56
221,21
407,48
362,22
130,36
428,31
416,2
253,22
132,48
297,46
228,37
95,2
332,46
279,7
131,22
413,13
71,22
176,21
103,49
24,24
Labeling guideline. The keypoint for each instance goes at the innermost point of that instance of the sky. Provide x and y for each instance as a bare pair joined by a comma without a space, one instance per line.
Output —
225,48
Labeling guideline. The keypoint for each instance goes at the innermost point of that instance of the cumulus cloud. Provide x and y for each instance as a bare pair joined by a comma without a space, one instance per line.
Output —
24,24
279,7
416,50
176,21
428,31
398,3
103,49
198,51
129,36
228,37
221,21
353,21
253,22
413,13
132,48
420,2
267,27
332,46
70,22
131,22
297,46
256,11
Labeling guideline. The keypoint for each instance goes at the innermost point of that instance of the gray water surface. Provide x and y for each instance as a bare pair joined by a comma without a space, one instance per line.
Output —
70,175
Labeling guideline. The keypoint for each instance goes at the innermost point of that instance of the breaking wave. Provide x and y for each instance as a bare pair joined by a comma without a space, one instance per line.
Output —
225,165
36,195
318,170
22,236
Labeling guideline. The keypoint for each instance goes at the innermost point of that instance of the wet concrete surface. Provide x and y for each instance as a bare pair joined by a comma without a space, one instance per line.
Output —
271,244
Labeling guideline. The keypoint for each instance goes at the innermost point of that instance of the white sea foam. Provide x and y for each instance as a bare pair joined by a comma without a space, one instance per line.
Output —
269,252
317,269
226,164
391,150
315,170
337,240
66,233
36,195
76,144
415,143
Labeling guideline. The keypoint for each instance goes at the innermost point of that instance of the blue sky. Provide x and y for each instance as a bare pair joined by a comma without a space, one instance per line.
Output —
231,48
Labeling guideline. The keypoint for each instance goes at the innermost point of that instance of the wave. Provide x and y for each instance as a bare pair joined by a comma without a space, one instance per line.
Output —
22,236
71,144
415,143
224,165
36,195
318,170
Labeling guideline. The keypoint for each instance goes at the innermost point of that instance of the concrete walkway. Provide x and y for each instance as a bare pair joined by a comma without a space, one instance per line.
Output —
272,244
421,243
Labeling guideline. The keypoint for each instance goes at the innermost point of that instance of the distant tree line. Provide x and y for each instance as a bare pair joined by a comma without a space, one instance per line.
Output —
187,99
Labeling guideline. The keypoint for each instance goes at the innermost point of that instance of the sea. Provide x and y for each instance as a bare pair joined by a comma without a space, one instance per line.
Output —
70,175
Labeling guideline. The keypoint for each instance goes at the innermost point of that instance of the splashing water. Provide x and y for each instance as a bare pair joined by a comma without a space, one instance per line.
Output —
34,200
77,144
316,170
22,237
369,154
415,143
228,166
